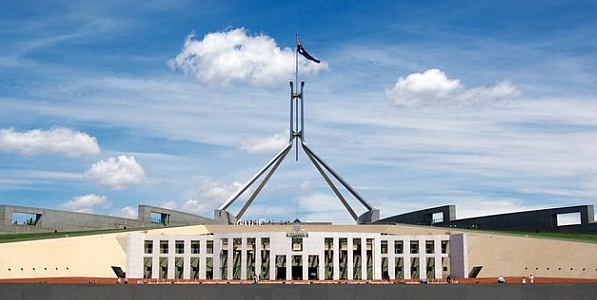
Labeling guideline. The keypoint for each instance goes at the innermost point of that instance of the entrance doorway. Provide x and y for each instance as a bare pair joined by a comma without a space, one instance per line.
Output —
297,267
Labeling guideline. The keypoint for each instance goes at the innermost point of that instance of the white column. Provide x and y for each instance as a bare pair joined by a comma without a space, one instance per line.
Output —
171,264
350,260
258,255
243,258
202,259
186,264
230,258
289,257
336,258
377,257
407,267
422,259
321,266
392,259
363,258
272,261
305,259
155,266
438,257
217,264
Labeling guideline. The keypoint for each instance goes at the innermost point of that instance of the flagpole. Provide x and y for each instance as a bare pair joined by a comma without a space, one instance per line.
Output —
296,63
296,53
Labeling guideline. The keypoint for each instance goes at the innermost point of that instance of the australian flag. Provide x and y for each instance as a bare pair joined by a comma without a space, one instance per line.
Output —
301,50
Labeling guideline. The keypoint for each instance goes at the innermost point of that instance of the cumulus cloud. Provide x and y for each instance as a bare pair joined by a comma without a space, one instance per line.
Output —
86,203
236,56
208,195
319,206
117,173
127,212
62,141
269,144
434,87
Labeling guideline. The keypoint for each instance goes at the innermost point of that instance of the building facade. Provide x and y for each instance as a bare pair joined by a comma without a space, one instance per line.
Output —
295,254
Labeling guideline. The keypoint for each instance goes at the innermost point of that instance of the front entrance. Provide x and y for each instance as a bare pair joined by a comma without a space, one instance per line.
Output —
297,267
280,267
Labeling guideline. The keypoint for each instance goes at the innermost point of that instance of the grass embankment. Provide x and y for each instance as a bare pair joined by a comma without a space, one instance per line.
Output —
19,237
8,238
578,237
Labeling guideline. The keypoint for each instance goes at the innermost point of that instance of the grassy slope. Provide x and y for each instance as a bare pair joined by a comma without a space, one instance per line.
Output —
589,238
8,238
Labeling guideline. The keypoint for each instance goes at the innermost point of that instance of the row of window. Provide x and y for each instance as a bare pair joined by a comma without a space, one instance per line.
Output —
297,245
414,247
179,247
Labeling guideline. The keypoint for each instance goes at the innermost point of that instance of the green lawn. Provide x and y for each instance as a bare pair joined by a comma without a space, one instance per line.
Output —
8,238
590,238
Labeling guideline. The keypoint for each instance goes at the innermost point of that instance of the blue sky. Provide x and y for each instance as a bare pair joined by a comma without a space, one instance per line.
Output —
488,105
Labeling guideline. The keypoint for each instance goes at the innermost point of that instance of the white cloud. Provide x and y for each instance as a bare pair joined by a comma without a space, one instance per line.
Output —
63,141
208,195
127,212
169,205
117,173
432,87
323,207
265,145
86,203
236,56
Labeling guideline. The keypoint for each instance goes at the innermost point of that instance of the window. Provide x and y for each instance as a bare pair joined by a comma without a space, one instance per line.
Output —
265,258
414,268
568,219
384,247
237,244
209,267
445,247
30,219
357,259
163,267
343,255
195,247
398,247
429,247
209,245
179,245
179,267
265,243
195,268
328,258
237,257
437,217
224,258
297,244
250,257
164,247
414,247
148,247
148,266
384,268
159,218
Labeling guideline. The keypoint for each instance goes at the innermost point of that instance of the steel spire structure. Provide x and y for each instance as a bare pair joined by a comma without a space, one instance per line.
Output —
296,139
